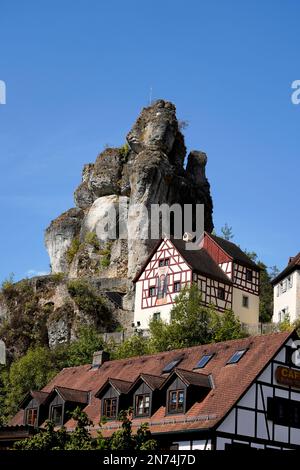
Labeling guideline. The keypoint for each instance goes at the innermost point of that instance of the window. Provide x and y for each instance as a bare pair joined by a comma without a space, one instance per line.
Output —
156,316
203,361
164,262
177,286
278,292
236,356
249,275
110,407
176,401
169,367
290,281
56,415
152,291
245,301
31,416
142,405
284,411
221,293
283,286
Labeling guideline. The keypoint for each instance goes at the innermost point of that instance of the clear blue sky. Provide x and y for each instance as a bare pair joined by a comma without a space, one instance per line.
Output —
78,73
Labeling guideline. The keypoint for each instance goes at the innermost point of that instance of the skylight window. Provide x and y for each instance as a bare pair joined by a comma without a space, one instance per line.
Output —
169,367
203,361
236,356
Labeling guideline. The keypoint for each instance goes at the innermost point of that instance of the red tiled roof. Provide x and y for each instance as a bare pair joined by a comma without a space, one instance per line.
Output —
230,381
293,264
234,252
154,381
122,386
70,394
194,378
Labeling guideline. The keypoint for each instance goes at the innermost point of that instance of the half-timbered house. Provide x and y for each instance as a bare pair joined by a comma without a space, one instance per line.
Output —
220,396
225,275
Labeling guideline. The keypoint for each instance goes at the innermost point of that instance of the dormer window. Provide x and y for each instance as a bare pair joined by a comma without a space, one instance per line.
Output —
56,415
31,416
142,405
110,408
176,401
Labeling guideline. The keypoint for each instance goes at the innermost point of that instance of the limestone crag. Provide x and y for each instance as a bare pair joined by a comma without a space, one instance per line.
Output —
148,169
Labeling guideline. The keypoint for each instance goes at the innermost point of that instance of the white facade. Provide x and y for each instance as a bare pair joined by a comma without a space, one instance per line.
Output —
287,298
249,422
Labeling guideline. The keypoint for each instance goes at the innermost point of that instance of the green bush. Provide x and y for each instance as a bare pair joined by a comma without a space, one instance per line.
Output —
124,151
92,239
73,250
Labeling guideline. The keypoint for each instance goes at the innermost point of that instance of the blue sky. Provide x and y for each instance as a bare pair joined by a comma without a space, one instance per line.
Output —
78,73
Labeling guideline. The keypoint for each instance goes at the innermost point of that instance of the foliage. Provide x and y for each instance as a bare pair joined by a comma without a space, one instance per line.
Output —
136,345
285,324
81,351
81,439
226,326
73,250
8,283
227,232
26,324
90,302
92,239
124,151
30,372
192,324
106,255
58,277
44,440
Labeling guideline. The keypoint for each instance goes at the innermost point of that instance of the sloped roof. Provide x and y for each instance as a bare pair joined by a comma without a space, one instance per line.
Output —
70,394
230,381
154,381
234,252
194,378
201,262
122,386
39,396
293,265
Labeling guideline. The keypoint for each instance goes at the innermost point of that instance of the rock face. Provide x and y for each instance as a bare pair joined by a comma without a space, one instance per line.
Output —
105,239
148,169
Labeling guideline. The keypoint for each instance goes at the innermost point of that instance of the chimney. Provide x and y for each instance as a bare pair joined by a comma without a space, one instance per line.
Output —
99,357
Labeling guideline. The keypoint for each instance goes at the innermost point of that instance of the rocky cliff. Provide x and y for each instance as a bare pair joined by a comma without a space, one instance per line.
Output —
151,168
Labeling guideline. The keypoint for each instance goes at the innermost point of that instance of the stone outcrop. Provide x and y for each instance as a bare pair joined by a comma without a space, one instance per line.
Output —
149,169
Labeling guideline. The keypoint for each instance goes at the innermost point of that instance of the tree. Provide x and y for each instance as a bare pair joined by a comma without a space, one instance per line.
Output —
136,345
192,323
81,439
226,326
81,351
227,232
32,371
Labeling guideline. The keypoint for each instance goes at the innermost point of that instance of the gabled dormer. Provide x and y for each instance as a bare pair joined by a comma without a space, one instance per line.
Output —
146,395
114,397
183,388
61,401
35,409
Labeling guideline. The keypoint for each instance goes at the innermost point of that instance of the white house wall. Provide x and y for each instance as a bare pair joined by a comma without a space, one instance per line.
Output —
288,301
247,422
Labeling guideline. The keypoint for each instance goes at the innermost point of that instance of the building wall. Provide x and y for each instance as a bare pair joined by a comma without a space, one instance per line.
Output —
248,314
288,301
248,423
176,271
203,444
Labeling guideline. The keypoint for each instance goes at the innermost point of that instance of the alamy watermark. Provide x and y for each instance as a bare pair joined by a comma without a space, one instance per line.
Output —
138,222
2,92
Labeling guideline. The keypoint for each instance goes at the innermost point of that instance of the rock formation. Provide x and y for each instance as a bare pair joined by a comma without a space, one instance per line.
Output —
149,169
